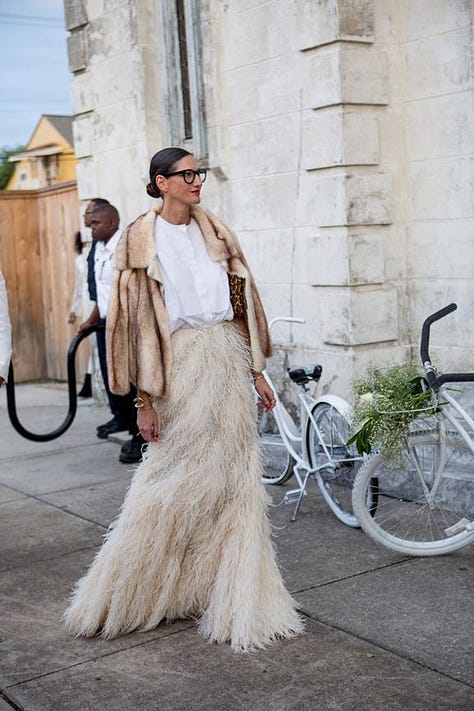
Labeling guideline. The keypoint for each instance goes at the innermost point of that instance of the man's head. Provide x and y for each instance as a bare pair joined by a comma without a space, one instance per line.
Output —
90,207
104,222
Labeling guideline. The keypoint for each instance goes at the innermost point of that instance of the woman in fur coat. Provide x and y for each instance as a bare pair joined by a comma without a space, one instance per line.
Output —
186,326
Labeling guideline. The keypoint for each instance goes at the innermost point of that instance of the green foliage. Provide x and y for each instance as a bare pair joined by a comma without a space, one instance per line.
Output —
386,401
6,168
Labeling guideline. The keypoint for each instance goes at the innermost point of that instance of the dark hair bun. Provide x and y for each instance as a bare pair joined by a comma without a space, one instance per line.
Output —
153,191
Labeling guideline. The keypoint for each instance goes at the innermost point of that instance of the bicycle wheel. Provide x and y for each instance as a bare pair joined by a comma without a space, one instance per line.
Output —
277,462
423,503
338,462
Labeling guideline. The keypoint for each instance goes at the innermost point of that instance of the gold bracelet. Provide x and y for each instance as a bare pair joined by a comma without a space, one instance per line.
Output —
139,403
258,376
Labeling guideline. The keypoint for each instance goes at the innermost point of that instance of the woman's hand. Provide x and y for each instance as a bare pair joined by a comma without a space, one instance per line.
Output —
147,422
267,396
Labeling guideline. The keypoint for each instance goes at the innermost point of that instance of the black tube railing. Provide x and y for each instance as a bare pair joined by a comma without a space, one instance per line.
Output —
71,378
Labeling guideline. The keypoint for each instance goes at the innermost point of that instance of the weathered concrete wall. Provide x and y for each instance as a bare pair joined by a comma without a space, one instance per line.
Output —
339,148
116,98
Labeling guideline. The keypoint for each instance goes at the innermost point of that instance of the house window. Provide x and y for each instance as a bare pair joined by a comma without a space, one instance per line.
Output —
184,69
183,80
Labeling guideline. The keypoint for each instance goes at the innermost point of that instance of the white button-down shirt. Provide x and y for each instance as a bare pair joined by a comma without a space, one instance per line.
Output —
196,287
5,331
104,271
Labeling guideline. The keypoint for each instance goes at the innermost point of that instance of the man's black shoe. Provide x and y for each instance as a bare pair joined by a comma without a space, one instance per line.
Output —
110,427
131,452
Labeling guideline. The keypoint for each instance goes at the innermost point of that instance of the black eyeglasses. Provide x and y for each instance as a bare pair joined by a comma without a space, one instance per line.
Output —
189,176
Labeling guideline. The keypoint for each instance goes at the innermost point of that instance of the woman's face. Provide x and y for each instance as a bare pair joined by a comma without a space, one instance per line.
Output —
175,189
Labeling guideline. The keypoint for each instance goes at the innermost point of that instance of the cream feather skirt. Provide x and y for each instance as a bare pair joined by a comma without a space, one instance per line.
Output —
193,538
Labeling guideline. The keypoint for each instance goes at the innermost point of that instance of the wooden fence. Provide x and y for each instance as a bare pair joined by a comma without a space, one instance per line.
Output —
37,229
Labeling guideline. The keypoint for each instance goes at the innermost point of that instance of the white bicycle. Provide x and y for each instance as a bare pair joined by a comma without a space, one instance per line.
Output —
424,503
316,448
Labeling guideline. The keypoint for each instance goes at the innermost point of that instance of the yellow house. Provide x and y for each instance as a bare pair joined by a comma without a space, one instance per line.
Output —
48,159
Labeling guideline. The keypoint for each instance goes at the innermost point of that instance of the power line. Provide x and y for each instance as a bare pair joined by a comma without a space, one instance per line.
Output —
34,101
32,20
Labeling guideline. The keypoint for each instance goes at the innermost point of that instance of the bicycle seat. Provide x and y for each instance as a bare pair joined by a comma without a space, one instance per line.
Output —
304,373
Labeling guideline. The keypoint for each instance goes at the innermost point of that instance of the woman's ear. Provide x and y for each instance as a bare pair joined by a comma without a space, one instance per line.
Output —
161,184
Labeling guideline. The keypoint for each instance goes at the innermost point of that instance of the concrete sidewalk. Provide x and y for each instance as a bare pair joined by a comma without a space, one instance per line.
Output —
382,631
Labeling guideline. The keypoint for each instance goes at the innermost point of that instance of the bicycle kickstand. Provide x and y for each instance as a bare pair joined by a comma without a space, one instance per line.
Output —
301,491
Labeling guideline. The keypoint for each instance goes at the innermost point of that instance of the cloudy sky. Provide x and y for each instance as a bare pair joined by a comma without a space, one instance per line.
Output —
34,74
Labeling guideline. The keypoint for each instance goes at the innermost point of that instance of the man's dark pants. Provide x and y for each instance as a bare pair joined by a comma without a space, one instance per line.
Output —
121,406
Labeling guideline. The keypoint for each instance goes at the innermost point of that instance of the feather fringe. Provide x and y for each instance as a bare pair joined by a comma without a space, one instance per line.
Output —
193,538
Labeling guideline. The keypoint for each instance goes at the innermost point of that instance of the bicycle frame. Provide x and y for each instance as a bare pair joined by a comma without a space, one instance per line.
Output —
294,439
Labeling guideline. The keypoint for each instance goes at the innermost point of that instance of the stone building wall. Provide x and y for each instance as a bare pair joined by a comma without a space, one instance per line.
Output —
339,143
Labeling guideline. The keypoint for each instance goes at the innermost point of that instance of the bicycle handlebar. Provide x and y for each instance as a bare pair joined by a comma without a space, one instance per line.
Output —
287,319
435,380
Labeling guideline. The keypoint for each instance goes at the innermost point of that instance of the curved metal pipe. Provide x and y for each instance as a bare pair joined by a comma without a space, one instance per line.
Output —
71,376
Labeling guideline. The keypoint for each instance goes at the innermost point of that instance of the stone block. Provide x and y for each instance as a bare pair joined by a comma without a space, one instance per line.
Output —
440,248
277,301
323,22
77,51
261,203
349,199
254,33
263,147
81,129
114,127
345,74
450,123
369,199
440,189
364,76
81,94
353,317
271,255
340,257
113,80
112,163
87,178
322,81
356,20
110,34
438,65
262,90
75,13
335,136
366,257
433,17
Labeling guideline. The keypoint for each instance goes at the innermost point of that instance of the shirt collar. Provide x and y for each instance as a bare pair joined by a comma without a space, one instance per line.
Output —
111,244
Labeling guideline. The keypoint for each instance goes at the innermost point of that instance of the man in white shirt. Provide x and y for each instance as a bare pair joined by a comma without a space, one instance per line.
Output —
5,332
105,232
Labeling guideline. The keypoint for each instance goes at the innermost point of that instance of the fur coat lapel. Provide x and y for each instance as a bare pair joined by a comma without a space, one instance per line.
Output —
136,249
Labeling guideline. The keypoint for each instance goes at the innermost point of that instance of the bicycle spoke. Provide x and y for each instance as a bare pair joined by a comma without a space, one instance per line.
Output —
337,463
417,511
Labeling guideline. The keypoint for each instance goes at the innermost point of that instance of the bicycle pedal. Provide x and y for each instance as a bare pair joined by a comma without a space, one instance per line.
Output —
292,496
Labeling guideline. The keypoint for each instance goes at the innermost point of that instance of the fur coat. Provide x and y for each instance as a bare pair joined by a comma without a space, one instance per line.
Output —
138,338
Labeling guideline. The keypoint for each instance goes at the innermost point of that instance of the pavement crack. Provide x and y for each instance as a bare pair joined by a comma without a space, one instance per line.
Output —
184,628
67,511
386,648
50,452
354,575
